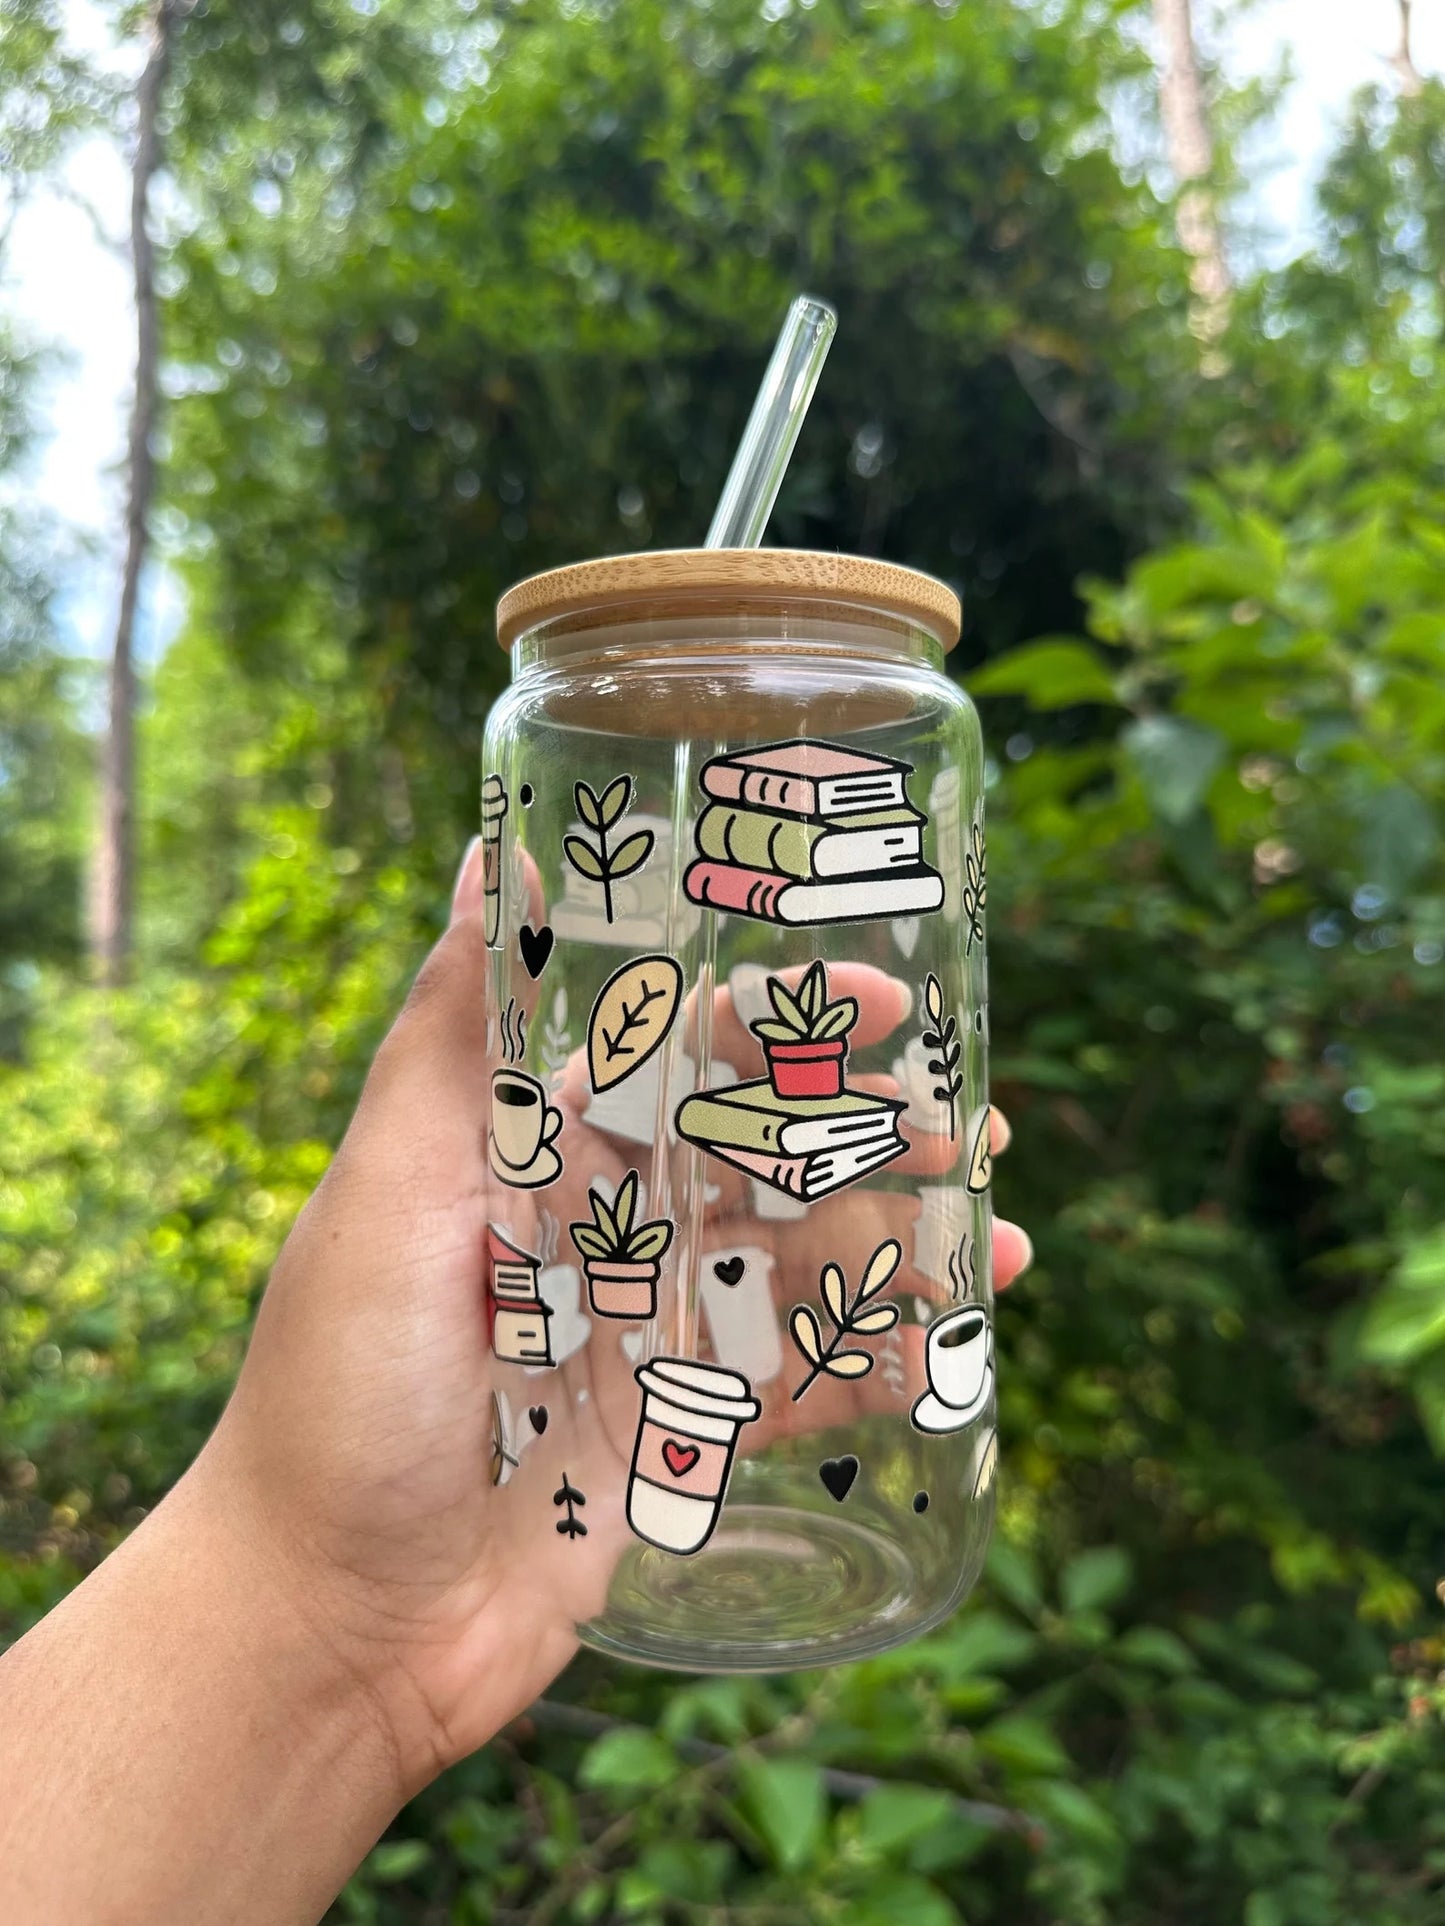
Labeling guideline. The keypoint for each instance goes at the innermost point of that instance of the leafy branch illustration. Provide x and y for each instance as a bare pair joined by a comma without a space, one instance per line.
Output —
600,862
944,1038
975,886
568,1495
860,1318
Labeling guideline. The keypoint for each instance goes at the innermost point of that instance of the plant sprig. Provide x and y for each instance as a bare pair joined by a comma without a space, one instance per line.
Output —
975,886
612,1233
853,1319
602,814
805,1015
944,1038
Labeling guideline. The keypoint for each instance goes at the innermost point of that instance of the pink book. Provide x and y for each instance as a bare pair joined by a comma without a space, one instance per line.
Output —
782,899
806,779
814,1175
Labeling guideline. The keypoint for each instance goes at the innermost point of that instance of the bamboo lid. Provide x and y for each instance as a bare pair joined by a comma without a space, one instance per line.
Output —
731,581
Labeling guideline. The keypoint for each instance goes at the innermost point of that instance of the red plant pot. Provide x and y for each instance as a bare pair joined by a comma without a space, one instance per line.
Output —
619,1289
807,1069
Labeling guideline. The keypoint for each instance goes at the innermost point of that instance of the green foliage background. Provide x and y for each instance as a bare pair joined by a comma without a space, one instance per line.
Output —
457,290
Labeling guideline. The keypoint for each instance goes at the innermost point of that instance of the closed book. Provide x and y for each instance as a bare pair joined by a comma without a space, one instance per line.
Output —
806,779
754,1117
818,1173
779,899
859,844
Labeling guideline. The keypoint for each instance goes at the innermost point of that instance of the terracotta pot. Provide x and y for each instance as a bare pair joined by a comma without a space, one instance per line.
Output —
807,1069
619,1289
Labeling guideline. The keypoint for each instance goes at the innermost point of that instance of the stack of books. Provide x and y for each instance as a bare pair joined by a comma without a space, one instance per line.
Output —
806,1146
802,832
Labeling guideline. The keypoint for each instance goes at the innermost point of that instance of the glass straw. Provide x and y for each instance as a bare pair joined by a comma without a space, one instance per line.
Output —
772,431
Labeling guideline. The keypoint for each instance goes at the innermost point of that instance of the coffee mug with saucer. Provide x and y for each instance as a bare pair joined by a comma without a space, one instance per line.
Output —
959,1363
519,1143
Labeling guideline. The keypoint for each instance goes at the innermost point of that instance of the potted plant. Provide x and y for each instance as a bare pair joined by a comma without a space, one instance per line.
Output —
621,1259
805,1041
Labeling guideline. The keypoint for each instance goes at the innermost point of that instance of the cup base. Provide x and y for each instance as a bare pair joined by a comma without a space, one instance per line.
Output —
775,1590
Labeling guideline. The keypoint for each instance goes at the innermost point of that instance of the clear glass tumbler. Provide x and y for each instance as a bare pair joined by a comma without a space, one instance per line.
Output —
739,1294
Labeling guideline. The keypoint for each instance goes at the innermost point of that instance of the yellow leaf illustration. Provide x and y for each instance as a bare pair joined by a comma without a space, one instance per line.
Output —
806,1335
849,1364
835,1292
633,1013
881,1266
882,1317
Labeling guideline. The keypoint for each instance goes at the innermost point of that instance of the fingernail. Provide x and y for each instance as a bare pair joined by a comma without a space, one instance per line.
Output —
1028,1251
1000,1131
467,893
905,1000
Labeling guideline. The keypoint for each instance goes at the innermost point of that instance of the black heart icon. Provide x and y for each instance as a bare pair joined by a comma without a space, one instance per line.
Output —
729,1270
536,947
538,1415
838,1475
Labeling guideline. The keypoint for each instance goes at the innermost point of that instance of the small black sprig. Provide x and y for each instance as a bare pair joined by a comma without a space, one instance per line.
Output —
568,1495
944,1038
975,886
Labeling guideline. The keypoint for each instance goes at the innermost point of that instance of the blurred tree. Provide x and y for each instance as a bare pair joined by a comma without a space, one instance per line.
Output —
1191,155
46,97
502,300
112,881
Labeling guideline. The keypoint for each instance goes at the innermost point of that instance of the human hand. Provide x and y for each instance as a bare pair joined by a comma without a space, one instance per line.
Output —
357,1445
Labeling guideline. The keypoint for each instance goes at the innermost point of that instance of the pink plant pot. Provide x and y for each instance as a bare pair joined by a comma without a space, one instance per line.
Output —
807,1069
619,1289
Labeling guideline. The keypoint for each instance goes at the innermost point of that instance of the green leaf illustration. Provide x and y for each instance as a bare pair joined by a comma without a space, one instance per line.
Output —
583,858
613,804
588,807
650,1240
624,1205
631,854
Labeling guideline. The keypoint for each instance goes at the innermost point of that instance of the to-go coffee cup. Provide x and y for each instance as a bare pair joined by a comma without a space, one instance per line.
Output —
686,1439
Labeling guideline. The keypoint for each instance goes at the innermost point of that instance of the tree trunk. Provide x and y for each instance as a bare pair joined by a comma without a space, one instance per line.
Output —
1191,155
1403,60
113,879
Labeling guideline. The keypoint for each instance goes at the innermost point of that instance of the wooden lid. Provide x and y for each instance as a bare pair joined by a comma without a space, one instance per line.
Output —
733,580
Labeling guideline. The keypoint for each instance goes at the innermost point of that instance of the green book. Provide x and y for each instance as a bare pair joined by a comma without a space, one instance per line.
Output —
752,1116
864,843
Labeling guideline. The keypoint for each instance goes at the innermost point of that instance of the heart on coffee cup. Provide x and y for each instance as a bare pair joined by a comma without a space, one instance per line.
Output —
679,1458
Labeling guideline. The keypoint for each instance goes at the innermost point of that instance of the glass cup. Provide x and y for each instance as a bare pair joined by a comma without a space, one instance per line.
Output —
739,1284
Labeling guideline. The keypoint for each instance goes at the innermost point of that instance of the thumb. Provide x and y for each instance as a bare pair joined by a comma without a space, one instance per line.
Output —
420,1120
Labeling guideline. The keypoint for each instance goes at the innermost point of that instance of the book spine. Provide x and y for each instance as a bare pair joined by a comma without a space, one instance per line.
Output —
763,788
741,836
783,1173
702,1121
747,892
